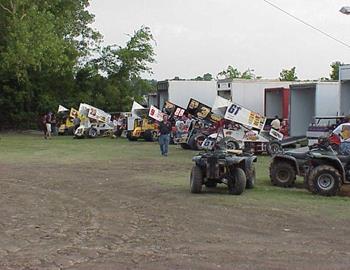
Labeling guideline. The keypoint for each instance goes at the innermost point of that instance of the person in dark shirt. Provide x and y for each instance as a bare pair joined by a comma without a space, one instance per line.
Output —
164,137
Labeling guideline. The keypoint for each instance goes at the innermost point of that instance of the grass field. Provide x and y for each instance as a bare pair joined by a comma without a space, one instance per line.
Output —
65,150
164,180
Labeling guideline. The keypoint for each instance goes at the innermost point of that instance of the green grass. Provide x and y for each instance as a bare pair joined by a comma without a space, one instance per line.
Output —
20,149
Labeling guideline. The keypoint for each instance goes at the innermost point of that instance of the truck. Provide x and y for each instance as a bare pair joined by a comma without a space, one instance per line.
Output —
250,128
344,93
180,91
276,103
308,100
140,126
248,93
65,120
94,122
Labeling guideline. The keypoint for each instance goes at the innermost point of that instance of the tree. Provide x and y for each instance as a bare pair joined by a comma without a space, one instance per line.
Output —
334,75
230,73
288,75
125,65
205,77
46,50
234,73
41,43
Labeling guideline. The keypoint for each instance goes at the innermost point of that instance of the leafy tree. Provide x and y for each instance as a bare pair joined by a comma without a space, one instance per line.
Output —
248,74
125,65
288,75
335,70
45,60
234,73
40,45
205,77
230,73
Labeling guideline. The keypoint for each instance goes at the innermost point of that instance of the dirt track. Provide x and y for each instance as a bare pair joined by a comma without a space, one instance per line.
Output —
112,216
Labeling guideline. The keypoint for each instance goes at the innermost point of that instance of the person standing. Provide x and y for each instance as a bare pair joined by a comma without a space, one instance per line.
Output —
276,124
54,125
76,122
164,138
48,125
43,125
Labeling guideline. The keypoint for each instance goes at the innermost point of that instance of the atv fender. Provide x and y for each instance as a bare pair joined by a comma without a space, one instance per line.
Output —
199,161
248,165
234,160
292,160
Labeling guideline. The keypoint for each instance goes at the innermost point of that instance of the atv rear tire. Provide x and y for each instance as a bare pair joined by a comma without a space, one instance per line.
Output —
324,180
196,179
282,174
236,182
251,178
274,148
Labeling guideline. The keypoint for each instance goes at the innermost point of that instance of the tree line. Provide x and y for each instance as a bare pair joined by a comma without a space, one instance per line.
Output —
50,55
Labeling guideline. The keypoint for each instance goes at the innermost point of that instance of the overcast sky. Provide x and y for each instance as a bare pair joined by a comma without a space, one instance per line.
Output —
198,36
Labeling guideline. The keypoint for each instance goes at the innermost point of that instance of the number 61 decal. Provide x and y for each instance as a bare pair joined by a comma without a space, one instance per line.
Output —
234,109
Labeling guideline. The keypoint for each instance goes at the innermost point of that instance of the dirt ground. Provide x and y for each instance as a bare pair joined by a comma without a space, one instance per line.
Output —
113,216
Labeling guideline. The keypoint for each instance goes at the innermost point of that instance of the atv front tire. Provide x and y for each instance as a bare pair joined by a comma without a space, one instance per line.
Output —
196,179
236,182
282,174
324,180
251,178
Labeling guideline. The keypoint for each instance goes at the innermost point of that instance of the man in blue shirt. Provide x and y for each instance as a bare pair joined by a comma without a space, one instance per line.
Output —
164,137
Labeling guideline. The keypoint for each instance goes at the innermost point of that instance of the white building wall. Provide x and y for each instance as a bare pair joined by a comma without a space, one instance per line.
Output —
251,93
302,109
274,104
344,92
327,99
180,92
344,73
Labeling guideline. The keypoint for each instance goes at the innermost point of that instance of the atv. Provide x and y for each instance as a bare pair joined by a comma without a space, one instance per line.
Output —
218,165
324,169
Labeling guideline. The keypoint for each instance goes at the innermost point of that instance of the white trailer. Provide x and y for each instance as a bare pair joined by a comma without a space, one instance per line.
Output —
248,93
308,100
344,95
180,92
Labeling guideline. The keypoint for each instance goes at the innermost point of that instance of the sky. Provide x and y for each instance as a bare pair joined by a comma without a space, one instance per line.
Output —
194,37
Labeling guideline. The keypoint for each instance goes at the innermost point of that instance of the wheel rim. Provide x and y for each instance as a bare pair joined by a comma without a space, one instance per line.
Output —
275,148
283,176
199,142
231,146
154,136
325,181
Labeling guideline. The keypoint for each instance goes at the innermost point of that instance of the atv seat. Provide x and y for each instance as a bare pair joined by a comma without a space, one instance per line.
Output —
344,159
234,151
298,155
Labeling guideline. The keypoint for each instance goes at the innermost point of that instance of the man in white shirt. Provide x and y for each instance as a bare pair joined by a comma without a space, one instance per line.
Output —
276,124
343,131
